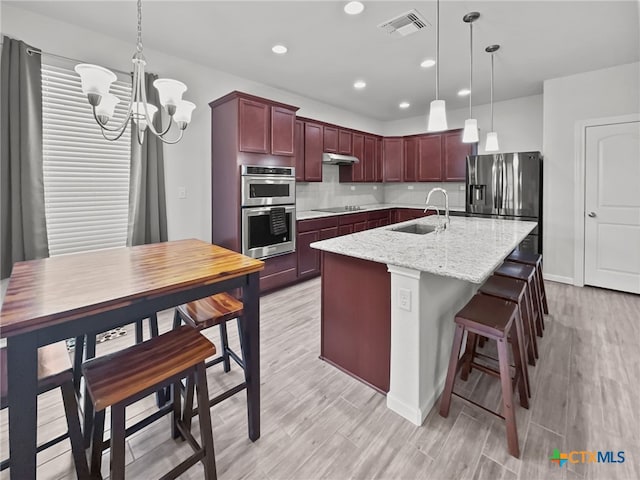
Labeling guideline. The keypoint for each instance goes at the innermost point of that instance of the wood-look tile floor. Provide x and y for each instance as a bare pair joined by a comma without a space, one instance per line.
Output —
318,423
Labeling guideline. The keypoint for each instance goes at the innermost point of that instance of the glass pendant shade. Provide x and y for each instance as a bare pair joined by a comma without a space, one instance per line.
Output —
95,79
107,105
470,132
492,142
169,91
437,117
183,111
139,115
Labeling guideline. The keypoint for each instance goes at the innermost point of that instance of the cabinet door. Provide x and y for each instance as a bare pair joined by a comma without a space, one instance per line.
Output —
410,159
360,226
344,142
282,131
372,224
308,258
253,118
455,156
430,158
357,170
330,139
392,158
369,159
379,170
329,232
312,152
345,229
299,150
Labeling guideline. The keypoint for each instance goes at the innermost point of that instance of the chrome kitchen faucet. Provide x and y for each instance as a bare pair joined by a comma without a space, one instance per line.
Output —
446,205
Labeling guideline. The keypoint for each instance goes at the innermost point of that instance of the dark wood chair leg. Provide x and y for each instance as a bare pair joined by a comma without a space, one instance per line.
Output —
507,399
538,300
204,415
522,373
240,336
224,339
177,320
177,407
96,444
533,309
543,291
153,325
75,433
117,442
469,355
187,414
139,332
90,352
530,330
445,402
78,357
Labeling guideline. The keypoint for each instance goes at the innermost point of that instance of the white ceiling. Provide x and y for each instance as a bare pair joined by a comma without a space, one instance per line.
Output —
329,50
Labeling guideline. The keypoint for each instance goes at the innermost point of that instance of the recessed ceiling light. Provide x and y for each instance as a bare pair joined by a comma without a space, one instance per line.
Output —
428,63
354,8
359,85
404,105
279,49
464,92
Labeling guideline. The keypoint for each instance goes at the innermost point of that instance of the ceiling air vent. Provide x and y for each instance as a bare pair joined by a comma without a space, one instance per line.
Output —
405,24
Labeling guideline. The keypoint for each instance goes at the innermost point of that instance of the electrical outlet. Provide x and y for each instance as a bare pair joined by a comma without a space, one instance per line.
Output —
182,192
353,187
461,188
375,187
404,299
410,187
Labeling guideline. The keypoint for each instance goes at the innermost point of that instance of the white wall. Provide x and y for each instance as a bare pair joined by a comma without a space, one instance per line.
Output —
568,100
187,163
517,121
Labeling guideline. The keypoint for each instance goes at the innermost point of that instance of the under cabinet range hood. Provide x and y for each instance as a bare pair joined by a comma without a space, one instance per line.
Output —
337,159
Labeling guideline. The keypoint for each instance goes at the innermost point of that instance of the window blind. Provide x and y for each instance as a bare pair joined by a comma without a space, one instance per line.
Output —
86,178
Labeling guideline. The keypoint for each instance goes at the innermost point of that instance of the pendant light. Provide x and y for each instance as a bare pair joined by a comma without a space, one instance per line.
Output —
492,137
437,112
470,132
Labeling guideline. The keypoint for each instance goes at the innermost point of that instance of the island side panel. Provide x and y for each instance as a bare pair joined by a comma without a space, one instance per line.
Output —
356,318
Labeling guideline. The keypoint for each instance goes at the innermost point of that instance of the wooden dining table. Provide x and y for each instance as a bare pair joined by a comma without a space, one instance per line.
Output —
66,296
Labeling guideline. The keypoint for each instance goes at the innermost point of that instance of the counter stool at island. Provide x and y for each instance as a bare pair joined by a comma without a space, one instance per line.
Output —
209,312
124,377
54,371
495,319
535,260
527,274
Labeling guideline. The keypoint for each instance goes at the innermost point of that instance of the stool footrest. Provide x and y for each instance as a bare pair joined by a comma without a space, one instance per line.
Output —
223,396
477,405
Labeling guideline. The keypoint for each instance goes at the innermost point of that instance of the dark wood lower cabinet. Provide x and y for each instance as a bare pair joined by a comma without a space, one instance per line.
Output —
345,229
308,258
356,318
278,272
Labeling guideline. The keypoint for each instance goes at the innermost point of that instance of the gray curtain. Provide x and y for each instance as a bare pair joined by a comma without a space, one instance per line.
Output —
147,203
22,217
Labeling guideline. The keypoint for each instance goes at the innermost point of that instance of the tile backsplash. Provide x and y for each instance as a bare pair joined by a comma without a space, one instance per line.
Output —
331,193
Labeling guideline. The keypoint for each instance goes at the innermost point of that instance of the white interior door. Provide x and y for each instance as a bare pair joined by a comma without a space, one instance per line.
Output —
612,207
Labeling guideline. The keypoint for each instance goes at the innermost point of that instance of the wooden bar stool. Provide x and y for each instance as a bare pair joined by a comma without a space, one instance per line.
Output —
535,260
209,312
54,371
124,377
515,291
525,273
496,319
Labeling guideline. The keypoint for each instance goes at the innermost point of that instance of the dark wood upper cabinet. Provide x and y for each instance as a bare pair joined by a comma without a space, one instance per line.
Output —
379,169
369,159
429,164
253,119
298,134
454,156
410,159
392,158
358,152
313,142
330,139
282,131
344,142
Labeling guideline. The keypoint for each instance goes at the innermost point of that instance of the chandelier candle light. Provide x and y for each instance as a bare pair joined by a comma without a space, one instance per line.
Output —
437,113
470,132
492,137
96,82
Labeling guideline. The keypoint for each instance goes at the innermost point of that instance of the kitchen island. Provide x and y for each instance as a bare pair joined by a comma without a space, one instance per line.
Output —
389,298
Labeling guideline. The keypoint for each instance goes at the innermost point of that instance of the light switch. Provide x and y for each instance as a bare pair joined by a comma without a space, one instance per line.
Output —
353,187
404,299
182,192
410,187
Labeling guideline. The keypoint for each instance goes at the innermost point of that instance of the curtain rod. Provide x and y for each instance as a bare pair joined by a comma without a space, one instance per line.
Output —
32,51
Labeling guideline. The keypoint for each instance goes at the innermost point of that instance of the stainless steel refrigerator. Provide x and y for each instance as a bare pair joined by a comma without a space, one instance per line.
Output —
507,185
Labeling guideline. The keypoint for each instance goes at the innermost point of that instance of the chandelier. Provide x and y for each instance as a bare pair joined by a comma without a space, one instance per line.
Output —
96,82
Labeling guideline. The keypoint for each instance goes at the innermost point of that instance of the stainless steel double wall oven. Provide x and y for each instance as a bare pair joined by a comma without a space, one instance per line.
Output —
268,210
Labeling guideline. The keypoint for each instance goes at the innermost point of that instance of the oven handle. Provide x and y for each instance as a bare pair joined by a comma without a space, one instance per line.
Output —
266,210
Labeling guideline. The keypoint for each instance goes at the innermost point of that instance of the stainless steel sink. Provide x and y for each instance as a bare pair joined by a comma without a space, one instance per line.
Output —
416,228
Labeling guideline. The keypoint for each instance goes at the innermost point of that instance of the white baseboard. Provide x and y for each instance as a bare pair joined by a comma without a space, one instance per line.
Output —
557,278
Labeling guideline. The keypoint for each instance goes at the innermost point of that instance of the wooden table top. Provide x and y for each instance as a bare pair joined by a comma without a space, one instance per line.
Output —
49,291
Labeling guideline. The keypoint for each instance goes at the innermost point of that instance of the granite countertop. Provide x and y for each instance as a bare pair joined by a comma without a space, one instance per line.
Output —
309,214
470,249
